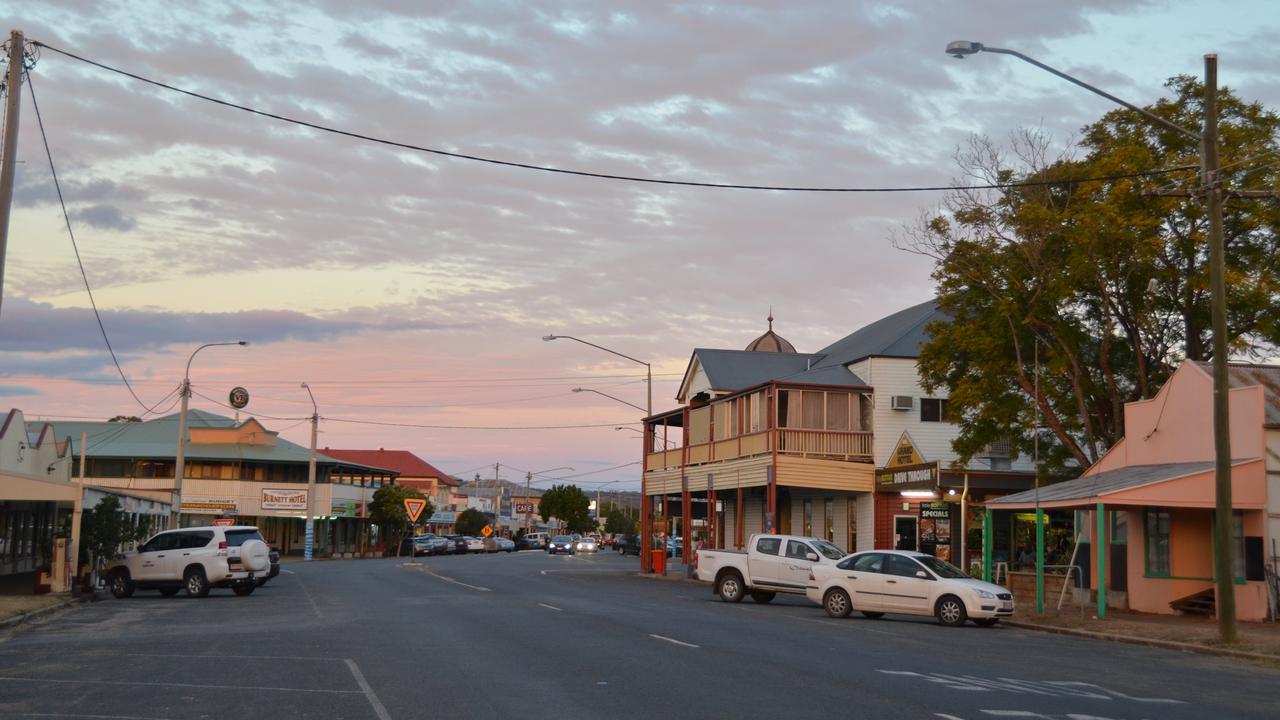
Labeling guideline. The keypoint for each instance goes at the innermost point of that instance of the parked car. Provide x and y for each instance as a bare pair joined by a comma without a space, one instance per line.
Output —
475,544
560,544
537,540
459,544
675,546
274,556
627,544
771,564
505,544
907,583
586,544
525,543
192,559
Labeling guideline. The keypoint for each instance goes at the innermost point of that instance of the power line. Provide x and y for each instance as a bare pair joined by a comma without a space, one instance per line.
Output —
31,90
584,173
469,427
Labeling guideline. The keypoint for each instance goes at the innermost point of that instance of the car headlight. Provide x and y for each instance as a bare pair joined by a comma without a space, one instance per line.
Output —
986,595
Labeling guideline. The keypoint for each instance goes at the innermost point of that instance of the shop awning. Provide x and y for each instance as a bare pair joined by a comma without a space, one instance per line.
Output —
1189,484
20,486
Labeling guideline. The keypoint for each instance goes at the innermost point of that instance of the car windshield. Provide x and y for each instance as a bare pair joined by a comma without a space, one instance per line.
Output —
562,539
236,538
942,568
827,550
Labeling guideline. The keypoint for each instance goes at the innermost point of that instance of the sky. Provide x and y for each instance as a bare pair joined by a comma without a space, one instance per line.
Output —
410,289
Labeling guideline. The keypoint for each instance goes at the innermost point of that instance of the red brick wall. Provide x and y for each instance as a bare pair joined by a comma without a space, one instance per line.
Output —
888,505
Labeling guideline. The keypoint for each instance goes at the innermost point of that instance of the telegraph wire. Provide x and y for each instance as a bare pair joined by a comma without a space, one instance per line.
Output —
31,90
583,173
469,427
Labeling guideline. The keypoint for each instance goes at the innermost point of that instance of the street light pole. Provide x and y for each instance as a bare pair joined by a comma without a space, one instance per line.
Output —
309,540
624,402
180,458
1211,187
528,492
646,521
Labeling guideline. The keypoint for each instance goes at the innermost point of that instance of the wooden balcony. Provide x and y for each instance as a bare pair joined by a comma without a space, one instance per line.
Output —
823,444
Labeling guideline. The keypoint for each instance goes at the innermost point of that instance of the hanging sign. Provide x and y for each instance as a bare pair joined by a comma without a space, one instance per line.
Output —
238,397
909,477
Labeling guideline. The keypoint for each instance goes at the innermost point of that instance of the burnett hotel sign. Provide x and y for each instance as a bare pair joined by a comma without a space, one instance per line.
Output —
284,499
908,477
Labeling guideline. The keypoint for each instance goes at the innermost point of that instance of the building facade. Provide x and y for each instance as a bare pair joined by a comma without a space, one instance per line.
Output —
39,506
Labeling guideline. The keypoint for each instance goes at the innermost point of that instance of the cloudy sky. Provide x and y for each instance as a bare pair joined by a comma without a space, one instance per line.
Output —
413,289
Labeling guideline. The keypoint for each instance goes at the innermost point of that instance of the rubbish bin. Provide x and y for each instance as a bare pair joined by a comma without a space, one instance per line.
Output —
659,561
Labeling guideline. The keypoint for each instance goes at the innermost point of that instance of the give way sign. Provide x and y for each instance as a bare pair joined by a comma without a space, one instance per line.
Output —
414,506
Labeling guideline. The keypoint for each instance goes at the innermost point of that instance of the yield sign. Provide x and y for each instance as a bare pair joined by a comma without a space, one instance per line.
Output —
414,506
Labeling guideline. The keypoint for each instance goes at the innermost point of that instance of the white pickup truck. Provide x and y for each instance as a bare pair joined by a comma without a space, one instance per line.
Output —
771,564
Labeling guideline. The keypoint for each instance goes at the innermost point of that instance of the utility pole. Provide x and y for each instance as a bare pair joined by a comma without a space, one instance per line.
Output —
309,540
528,493
14,88
180,459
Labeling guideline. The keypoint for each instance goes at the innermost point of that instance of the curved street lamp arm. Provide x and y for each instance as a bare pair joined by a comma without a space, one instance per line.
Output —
616,399
187,373
598,347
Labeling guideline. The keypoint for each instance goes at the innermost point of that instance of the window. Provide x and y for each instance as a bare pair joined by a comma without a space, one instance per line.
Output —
827,550
870,562
838,411
808,517
784,409
236,538
1237,533
903,566
194,540
934,410
829,519
768,546
812,407
166,541
797,550
1157,528
1119,527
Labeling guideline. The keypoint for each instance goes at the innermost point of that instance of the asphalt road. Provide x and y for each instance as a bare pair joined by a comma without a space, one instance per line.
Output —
531,636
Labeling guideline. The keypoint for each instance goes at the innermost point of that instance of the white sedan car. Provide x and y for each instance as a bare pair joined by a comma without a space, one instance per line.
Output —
585,545
906,583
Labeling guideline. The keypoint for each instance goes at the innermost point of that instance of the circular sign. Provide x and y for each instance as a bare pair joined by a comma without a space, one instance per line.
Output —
239,397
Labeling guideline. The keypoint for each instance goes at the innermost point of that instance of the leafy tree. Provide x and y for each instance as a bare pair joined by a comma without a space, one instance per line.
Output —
1106,283
470,522
106,527
568,504
621,521
388,513
125,419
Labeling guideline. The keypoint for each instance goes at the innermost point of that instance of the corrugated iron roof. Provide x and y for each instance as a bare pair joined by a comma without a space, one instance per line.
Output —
1092,486
1267,377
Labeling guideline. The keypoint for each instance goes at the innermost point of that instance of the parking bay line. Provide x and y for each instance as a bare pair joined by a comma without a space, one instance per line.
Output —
427,570
673,640
63,681
370,695
550,607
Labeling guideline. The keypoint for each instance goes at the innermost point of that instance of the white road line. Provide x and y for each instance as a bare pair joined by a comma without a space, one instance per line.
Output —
378,707
673,640
550,607
92,717
195,657
325,691
310,599
446,578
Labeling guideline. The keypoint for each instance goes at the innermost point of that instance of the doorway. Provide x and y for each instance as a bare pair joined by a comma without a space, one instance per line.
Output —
905,532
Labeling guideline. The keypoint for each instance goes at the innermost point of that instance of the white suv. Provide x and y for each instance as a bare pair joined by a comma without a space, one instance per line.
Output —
193,559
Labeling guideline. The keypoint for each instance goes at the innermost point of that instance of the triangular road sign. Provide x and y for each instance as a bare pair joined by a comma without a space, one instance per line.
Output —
414,506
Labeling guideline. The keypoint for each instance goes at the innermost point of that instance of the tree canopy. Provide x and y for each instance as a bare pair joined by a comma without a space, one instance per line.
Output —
470,522
568,504
388,513
620,521
106,527
1102,282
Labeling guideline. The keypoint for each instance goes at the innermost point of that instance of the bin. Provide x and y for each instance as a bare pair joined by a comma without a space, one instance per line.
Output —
659,561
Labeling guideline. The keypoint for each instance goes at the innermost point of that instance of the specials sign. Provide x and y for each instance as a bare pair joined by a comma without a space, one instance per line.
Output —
273,499
908,477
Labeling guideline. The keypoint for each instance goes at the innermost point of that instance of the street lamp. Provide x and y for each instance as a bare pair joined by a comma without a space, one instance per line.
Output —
180,461
668,443
645,560
618,399
1211,186
310,537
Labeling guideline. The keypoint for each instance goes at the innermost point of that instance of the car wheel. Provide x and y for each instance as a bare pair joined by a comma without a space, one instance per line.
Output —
985,622
872,615
731,589
121,584
195,582
244,589
837,604
763,597
169,592
260,582
950,611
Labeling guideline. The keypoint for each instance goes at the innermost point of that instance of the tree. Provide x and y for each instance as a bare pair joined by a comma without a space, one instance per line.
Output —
568,504
125,419
388,513
620,521
106,527
1106,283
470,522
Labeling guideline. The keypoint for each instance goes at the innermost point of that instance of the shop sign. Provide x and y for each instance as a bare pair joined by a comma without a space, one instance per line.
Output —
349,508
443,518
905,453
209,507
936,511
910,477
526,508
284,499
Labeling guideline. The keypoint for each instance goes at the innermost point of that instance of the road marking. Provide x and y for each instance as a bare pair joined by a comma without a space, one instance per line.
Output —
93,717
289,571
673,640
1051,688
446,578
550,607
310,599
378,708
138,683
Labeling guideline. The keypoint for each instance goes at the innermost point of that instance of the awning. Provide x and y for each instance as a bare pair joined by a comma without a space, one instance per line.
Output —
18,486
1189,484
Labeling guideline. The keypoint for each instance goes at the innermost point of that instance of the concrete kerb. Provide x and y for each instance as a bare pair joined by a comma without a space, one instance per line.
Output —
669,577
23,618
1150,642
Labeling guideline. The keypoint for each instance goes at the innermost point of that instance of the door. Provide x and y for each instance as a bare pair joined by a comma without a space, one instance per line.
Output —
191,548
795,564
154,557
763,564
905,529
904,590
861,576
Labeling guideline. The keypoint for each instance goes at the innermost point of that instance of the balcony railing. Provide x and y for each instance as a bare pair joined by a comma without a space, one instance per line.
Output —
827,444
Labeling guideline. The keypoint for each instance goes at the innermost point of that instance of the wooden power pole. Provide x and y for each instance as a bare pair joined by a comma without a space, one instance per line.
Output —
10,149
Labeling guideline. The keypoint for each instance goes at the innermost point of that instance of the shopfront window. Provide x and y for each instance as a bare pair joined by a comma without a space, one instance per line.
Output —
829,519
808,517
1159,562
1237,533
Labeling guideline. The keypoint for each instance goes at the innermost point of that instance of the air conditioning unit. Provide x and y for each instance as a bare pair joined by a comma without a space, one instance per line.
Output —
997,449
902,402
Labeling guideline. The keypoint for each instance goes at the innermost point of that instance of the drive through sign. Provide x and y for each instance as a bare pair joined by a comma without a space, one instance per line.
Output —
414,506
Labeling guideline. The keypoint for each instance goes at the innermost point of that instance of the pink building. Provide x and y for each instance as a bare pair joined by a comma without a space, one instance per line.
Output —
1155,492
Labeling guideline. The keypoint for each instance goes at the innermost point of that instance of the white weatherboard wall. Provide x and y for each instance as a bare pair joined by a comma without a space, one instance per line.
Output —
899,376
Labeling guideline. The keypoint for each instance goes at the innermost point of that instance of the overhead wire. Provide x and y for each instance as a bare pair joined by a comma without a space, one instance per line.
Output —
580,173
31,91
424,426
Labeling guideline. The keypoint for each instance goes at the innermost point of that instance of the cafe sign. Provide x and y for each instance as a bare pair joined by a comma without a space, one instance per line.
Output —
908,477
218,506
273,499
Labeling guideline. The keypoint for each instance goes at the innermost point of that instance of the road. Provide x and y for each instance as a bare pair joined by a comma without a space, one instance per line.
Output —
527,635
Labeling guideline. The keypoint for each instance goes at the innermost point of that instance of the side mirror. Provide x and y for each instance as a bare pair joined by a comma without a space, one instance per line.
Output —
922,575
811,556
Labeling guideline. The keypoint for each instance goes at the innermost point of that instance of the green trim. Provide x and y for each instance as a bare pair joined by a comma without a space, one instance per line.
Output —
988,520
1101,546
1039,561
